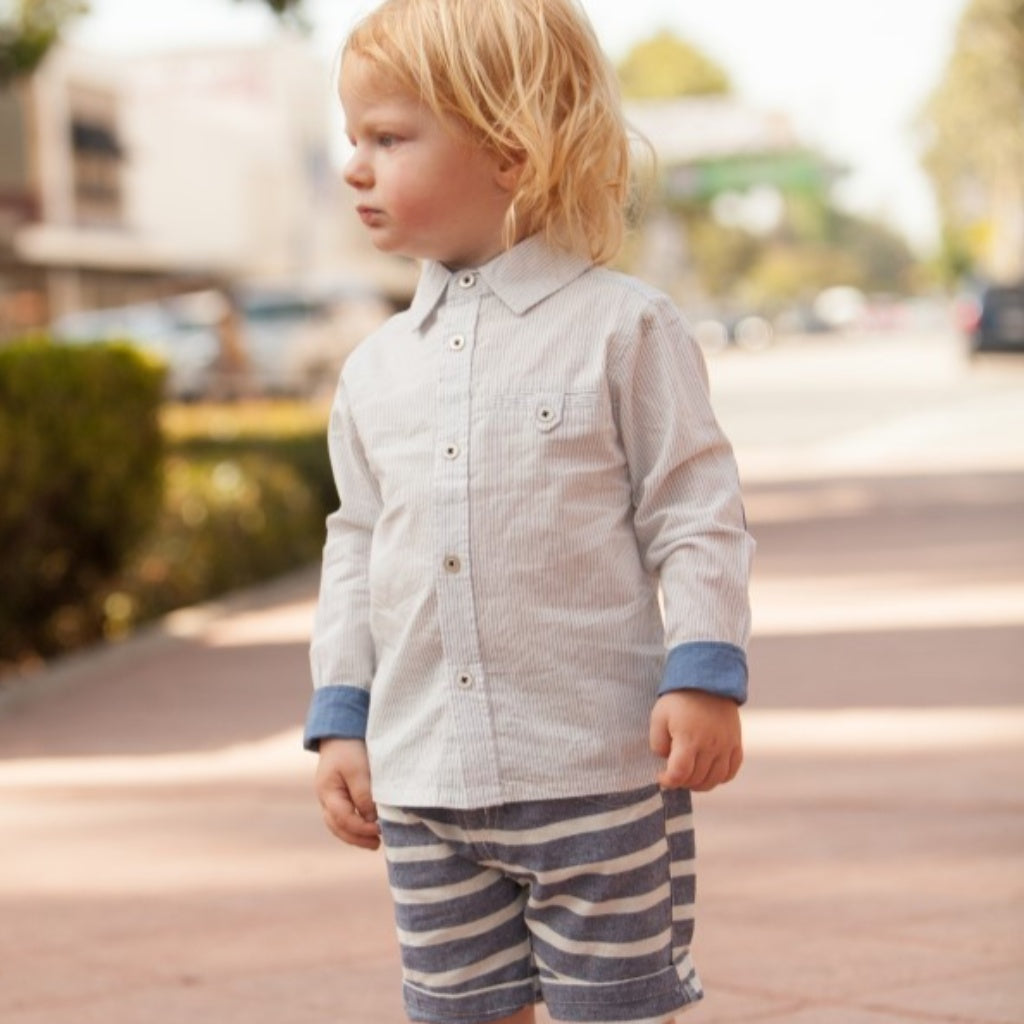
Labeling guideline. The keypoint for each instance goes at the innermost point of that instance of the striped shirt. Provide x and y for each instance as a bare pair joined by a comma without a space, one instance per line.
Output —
523,457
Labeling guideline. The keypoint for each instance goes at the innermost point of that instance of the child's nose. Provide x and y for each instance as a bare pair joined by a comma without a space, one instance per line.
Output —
357,171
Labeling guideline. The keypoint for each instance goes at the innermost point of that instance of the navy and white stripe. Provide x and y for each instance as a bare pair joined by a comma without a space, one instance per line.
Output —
524,457
586,903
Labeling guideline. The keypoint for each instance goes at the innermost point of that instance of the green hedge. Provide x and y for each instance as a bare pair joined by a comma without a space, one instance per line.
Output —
80,460
248,488
226,523
117,508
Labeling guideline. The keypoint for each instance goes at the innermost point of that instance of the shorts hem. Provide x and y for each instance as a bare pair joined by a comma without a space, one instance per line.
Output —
639,999
428,1008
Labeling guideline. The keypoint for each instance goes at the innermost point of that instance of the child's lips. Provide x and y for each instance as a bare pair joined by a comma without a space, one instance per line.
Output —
370,215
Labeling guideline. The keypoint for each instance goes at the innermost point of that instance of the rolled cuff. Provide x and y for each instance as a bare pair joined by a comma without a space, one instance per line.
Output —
711,666
336,712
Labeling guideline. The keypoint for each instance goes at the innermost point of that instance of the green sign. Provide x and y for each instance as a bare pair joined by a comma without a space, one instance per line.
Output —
792,171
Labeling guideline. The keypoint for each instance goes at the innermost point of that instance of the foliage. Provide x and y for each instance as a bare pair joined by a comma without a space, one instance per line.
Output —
289,11
290,432
226,523
28,32
881,259
34,26
786,272
665,67
974,119
80,457
722,255
816,246
246,488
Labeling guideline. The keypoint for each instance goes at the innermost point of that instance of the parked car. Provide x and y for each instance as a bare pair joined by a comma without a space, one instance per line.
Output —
718,330
994,322
297,338
287,340
181,332
840,307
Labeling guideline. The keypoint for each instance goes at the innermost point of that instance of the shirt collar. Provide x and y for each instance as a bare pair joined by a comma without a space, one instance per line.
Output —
521,277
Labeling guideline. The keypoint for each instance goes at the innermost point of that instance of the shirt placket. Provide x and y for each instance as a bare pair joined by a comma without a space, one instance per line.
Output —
466,683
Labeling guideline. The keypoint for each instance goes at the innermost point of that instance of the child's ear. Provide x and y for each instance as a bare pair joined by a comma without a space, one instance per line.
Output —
508,172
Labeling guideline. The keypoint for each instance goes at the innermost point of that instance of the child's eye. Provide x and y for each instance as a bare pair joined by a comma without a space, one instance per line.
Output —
386,140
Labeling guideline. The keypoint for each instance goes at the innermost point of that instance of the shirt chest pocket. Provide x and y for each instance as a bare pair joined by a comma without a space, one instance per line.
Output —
547,412
547,428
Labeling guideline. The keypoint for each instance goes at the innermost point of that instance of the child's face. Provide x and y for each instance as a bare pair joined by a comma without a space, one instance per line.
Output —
423,188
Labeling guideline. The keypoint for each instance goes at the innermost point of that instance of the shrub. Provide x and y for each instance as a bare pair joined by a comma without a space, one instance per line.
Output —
280,431
80,459
225,523
237,494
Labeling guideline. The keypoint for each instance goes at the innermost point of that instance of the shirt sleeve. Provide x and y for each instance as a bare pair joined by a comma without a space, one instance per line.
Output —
687,508
342,655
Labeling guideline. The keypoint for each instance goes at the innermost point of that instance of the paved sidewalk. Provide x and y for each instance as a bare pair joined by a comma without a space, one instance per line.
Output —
163,859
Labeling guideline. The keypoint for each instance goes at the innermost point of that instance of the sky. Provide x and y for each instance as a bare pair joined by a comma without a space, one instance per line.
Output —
852,75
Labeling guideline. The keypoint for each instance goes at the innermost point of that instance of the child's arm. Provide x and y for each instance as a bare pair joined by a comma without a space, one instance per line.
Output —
699,735
343,787
342,653
691,533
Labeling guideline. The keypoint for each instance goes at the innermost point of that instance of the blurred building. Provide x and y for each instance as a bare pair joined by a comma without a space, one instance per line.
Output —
741,162
123,181
710,145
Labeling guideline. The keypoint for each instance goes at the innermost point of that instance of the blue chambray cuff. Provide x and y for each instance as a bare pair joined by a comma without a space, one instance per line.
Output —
707,665
336,712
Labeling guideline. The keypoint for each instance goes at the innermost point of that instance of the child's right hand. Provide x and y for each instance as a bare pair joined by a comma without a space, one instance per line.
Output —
343,787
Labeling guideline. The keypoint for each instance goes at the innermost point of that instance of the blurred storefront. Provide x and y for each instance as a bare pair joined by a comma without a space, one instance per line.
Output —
126,181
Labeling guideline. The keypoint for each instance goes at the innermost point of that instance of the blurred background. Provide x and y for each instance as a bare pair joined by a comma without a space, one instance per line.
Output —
838,207
817,169
842,183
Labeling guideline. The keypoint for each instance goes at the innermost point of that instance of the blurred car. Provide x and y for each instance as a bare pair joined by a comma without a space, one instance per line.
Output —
840,307
297,338
799,318
257,341
748,331
180,332
994,322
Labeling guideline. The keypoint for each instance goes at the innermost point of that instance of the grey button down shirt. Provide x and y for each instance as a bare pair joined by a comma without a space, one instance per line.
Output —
523,457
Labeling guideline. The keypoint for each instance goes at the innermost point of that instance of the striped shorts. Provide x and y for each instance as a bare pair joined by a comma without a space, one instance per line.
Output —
585,903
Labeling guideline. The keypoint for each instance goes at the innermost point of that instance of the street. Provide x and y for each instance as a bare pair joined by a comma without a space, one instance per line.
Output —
163,857
883,483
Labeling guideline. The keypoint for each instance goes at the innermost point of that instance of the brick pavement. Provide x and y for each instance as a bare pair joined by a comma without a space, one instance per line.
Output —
163,861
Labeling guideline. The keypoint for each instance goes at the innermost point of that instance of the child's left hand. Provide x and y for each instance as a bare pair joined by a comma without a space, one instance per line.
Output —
699,734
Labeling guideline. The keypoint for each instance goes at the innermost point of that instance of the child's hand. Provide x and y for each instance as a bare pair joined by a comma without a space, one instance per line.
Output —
699,734
343,787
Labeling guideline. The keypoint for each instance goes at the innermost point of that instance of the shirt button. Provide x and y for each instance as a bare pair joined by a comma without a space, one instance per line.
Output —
452,563
467,280
452,451
457,344
464,680
545,414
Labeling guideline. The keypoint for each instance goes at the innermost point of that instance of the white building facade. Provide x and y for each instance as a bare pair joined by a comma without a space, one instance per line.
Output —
144,176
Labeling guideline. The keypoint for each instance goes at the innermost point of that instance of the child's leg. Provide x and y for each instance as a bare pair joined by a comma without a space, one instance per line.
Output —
611,902
465,950
588,902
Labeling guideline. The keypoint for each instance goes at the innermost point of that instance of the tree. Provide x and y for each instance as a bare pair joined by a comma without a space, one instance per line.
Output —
665,67
29,30
882,260
289,11
974,122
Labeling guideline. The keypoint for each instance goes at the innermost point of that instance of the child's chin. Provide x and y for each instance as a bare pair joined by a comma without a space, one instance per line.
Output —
382,243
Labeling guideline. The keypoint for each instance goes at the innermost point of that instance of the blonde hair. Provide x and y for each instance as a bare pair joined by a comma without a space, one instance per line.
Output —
528,81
